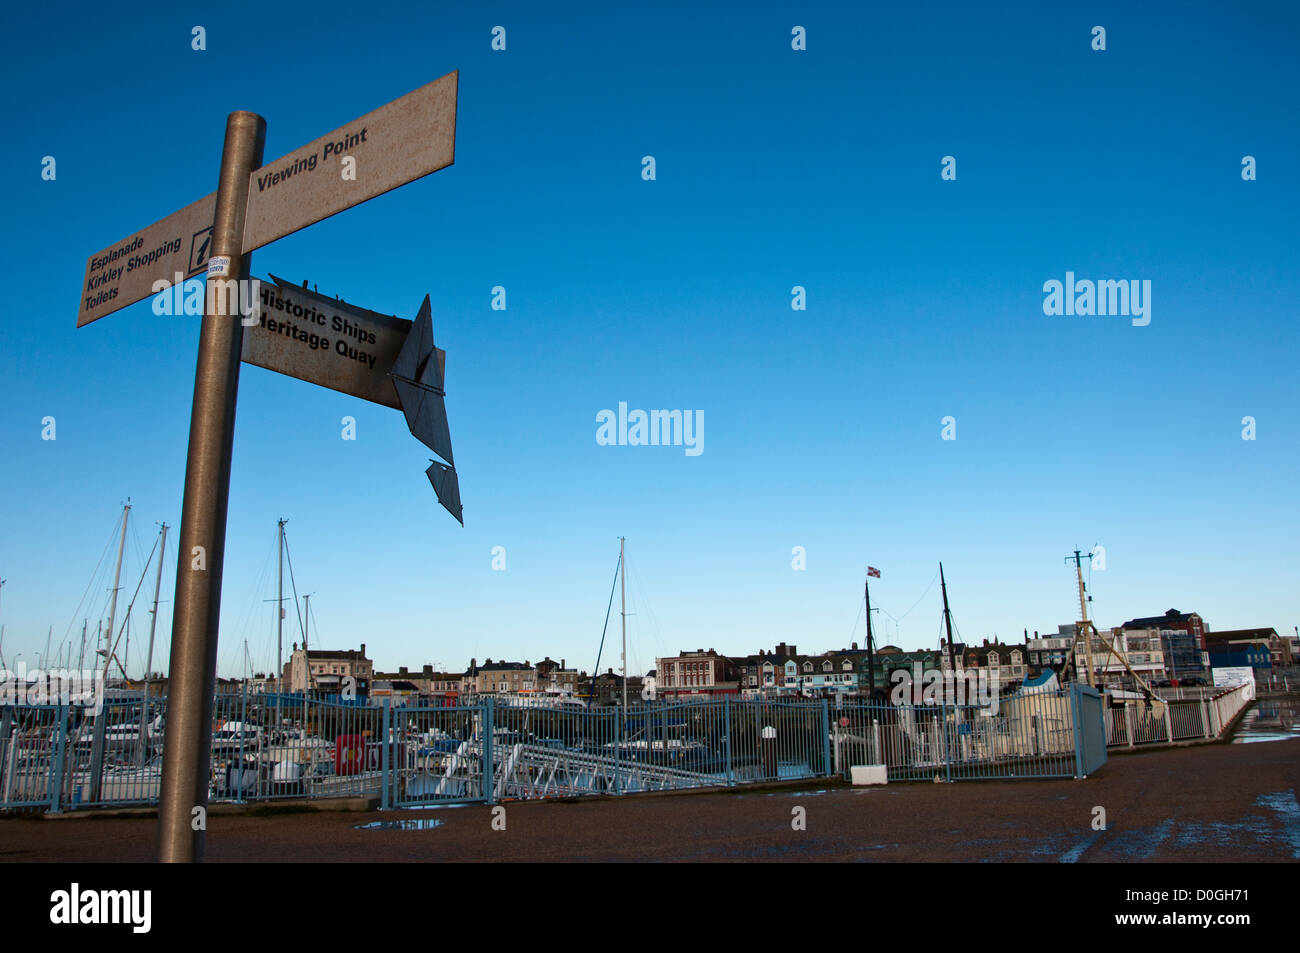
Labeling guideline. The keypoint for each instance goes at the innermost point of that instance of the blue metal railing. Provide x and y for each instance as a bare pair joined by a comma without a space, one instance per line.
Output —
55,758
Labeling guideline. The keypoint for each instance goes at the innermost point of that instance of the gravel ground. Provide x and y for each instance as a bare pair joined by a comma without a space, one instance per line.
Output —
1211,803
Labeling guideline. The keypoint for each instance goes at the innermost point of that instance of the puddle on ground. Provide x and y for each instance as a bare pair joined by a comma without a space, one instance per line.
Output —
407,824
431,807
1269,719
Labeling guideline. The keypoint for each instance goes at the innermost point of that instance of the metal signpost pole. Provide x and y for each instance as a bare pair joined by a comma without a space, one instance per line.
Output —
408,138
188,742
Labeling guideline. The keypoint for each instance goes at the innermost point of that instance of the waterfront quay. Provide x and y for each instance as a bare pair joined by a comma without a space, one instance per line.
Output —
1207,804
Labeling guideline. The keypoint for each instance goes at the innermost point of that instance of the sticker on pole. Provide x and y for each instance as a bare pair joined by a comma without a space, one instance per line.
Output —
219,266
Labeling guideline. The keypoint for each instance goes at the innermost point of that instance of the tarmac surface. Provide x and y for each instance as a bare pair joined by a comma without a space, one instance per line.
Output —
1211,803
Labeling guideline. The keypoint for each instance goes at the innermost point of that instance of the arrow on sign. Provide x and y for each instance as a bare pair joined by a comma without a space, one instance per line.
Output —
380,358
418,376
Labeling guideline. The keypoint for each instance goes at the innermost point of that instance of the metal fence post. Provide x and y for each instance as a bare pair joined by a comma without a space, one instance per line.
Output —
1076,712
6,720
97,751
56,783
385,761
10,768
726,738
618,743
487,717
826,740
943,734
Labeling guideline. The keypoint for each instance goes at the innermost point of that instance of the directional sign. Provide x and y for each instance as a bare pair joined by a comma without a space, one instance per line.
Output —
377,357
124,272
326,341
395,144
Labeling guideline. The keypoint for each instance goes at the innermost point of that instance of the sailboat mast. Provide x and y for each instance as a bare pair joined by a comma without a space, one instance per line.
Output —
153,620
306,626
279,616
117,581
947,621
871,649
623,598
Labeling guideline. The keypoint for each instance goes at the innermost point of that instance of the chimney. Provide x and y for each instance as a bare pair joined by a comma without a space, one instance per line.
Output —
428,670
855,646
401,670
562,665
363,650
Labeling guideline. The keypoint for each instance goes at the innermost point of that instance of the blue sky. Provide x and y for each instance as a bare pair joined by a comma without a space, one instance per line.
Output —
775,168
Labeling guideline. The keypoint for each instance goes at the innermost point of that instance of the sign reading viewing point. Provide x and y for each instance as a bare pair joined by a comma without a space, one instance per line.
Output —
380,358
396,144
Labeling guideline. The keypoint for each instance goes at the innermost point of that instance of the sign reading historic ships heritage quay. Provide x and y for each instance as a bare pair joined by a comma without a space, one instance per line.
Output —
380,358
327,341
377,357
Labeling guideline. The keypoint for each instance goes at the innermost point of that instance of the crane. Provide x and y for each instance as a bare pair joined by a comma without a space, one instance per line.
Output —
1085,630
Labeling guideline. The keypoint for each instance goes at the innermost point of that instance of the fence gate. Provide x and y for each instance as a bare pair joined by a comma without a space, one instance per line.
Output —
438,755
1056,734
